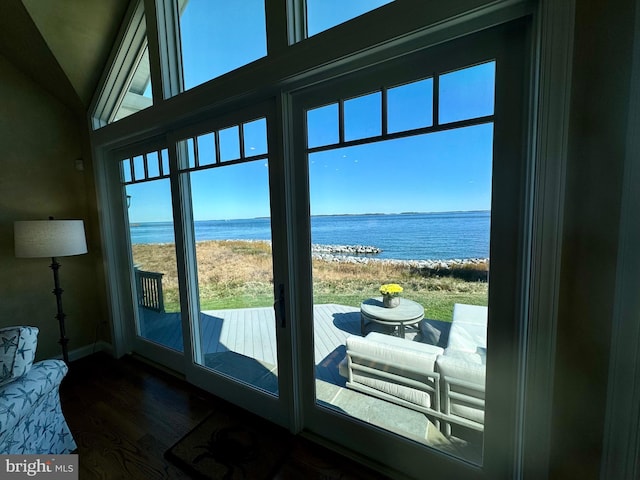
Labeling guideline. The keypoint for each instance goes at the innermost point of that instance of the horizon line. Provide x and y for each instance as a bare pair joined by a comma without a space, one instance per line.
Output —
326,215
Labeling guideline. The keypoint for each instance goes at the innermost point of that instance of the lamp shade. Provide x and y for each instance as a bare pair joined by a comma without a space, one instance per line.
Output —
49,238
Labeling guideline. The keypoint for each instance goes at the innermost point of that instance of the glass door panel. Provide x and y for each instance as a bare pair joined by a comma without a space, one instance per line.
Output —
153,253
228,175
400,204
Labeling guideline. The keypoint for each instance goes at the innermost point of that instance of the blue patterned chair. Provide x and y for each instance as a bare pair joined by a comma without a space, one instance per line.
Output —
31,419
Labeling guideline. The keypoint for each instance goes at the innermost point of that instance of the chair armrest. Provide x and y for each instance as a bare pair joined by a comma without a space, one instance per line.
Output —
458,385
20,397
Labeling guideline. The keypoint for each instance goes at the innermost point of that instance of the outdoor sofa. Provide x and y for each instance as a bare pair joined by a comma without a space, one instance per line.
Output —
446,384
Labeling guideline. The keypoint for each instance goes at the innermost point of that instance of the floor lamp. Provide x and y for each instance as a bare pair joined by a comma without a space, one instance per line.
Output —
51,238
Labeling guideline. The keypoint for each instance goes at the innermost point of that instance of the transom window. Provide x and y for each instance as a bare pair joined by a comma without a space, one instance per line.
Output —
463,96
147,166
322,15
213,38
219,36
237,143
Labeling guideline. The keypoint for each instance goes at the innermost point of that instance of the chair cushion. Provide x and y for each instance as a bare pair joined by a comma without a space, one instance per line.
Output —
468,367
470,313
396,351
17,352
468,328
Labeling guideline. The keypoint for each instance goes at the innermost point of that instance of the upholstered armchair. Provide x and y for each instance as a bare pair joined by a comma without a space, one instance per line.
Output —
31,419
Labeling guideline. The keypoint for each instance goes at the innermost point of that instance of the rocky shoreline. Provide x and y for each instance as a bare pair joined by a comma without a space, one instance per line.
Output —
345,249
364,254
466,268
430,264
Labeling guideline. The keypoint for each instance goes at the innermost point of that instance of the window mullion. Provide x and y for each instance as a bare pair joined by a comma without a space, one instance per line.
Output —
241,140
436,100
153,42
296,20
383,110
279,27
341,121
165,59
145,163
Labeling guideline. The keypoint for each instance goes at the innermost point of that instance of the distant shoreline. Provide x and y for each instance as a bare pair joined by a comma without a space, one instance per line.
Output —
448,212
457,212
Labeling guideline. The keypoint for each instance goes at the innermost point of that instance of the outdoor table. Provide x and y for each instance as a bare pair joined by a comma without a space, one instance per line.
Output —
407,313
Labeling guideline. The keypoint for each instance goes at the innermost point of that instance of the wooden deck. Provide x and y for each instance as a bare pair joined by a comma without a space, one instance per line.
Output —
241,343
251,332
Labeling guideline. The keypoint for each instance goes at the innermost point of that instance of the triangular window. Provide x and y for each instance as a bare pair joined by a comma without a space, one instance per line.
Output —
127,85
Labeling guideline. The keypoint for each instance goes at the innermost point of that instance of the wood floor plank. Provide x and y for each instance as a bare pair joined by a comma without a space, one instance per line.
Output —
124,414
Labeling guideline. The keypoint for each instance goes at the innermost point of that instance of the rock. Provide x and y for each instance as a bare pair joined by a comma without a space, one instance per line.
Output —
346,249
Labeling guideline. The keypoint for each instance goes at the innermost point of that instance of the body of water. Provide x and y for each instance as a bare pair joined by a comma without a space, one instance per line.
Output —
412,236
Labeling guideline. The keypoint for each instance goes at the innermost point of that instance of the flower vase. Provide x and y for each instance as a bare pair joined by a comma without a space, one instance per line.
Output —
390,301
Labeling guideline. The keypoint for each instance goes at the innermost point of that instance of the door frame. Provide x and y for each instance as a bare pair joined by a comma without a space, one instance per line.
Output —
512,185
275,408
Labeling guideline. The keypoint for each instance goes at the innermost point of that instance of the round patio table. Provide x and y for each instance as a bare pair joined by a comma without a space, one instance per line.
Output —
407,313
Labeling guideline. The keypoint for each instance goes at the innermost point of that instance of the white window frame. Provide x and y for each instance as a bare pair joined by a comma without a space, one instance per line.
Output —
425,22
123,62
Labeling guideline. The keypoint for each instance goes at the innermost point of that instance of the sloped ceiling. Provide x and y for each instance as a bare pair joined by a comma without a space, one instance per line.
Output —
61,44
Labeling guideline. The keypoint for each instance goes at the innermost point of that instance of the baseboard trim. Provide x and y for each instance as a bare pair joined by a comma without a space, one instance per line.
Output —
85,351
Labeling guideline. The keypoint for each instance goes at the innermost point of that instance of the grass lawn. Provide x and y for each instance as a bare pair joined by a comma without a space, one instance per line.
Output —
238,274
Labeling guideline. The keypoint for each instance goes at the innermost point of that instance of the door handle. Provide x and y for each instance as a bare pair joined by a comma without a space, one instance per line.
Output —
279,306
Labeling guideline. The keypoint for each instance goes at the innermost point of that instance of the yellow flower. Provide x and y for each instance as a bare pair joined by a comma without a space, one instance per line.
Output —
390,289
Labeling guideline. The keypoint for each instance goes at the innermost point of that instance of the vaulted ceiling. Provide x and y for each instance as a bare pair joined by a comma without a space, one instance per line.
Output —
61,44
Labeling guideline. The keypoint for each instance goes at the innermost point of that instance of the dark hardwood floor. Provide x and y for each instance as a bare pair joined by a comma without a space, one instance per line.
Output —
124,414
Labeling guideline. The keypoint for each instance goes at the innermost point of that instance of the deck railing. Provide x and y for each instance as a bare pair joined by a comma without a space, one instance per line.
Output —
149,285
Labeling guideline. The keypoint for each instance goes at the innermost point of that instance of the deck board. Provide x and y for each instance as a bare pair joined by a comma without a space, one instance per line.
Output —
252,332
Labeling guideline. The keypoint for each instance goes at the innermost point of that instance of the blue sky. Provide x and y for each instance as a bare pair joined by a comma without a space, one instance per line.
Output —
445,171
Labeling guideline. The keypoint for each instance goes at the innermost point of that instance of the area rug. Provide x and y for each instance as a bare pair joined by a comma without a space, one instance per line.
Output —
232,444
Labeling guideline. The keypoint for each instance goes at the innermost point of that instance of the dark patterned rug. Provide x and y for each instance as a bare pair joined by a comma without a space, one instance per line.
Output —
232,445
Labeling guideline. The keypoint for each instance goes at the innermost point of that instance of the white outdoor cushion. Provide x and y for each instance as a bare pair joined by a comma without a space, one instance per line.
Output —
468,367
469,328
409,394
470,413
343,367
396,351
470,313
477,358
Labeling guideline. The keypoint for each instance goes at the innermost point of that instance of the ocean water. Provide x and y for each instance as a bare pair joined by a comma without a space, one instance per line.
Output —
411,236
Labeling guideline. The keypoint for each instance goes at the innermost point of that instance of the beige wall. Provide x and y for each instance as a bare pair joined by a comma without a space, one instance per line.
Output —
40,140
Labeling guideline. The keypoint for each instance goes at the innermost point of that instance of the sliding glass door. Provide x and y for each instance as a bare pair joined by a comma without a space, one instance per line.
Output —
411,189
411,215
156,327
207,282
227,174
